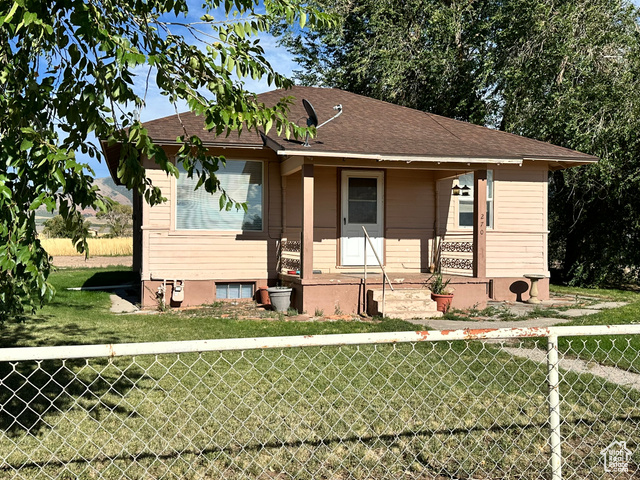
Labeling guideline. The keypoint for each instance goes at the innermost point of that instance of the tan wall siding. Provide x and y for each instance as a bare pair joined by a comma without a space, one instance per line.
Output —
293,199
324,255
200,255
325,219
159,215
207,257
517,243
409,219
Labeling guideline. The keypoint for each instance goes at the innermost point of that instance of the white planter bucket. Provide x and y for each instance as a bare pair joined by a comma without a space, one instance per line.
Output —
280,298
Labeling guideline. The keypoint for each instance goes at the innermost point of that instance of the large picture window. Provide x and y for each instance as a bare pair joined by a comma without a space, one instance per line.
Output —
465,203
200,210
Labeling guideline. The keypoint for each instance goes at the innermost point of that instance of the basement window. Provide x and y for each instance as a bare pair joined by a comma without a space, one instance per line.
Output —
234,290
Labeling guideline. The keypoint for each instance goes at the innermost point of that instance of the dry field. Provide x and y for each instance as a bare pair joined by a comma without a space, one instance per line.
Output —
97,246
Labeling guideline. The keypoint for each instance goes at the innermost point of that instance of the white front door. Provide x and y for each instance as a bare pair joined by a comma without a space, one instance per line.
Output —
362,205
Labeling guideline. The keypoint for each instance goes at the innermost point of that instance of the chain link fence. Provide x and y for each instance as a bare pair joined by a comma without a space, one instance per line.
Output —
509,404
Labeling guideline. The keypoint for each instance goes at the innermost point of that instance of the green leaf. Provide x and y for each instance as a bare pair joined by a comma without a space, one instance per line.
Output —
26,144
58,174
7,18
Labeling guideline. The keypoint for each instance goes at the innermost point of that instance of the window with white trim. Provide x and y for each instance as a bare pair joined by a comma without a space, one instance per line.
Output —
200,210
465,202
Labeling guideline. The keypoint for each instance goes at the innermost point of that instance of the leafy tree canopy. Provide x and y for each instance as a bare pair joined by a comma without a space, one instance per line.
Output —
566,72
119,219
57,227
67,70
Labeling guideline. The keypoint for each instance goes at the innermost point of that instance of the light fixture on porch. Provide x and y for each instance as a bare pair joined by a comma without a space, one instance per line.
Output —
458,190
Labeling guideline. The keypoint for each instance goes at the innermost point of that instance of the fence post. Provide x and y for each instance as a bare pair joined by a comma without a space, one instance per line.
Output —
554,407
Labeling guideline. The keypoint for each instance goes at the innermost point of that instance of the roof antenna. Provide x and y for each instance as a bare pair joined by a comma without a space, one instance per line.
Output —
312,121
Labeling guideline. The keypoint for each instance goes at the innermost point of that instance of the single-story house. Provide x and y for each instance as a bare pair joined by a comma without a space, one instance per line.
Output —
389,168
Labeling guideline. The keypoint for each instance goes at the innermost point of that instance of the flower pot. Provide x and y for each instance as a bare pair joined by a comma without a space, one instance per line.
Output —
443,301
263,296
280,298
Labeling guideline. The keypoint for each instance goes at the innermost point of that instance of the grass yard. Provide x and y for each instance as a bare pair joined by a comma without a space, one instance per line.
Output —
406,411
618,351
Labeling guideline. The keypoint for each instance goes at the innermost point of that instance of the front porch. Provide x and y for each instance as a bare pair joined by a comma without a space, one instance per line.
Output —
405,208
337,293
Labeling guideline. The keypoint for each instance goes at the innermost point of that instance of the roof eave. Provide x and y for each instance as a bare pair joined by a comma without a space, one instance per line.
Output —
400,158
562,163
555,163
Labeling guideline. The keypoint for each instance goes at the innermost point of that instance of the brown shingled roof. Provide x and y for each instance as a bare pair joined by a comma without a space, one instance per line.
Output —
373,128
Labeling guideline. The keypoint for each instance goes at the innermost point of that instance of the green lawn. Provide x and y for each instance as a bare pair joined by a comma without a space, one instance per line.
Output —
618,351
83,317
408,411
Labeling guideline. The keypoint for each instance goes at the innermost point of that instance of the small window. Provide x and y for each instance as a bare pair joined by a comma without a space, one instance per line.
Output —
200,210
234,290
465,203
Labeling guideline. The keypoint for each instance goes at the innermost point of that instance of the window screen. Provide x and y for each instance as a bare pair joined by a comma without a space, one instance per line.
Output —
363,200
200,210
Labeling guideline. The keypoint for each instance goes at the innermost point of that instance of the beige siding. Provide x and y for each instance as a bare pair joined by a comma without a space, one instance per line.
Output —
518,243
324,255
447,208
325,219
159,215
196,255
409,219
207,257
410,254
293,199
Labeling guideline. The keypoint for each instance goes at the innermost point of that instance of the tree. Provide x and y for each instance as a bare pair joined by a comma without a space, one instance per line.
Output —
119,219
67,69
566,72
424,54
57,227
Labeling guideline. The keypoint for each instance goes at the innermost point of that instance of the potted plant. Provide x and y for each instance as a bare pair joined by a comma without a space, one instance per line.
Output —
280,298
440,292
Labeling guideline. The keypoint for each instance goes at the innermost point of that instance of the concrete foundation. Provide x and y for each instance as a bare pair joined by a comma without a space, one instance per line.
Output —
333,294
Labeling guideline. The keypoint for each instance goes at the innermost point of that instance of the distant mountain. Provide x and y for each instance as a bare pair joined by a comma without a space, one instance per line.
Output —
119,193
107,187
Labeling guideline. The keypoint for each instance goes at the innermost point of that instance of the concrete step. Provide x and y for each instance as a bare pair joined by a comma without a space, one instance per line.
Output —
413,316
401,294
403,303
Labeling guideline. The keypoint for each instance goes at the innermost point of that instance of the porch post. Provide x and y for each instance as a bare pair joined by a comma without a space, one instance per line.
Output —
480,224
306,244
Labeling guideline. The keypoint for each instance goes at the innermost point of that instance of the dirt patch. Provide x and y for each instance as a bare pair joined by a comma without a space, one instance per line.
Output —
247,310
78,261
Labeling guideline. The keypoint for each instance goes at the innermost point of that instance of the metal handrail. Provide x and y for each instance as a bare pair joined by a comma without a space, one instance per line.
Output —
384,274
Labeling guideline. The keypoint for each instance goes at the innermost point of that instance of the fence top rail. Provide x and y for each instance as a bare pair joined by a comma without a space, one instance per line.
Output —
15,354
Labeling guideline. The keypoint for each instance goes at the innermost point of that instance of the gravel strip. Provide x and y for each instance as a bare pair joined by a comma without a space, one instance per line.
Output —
610,374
